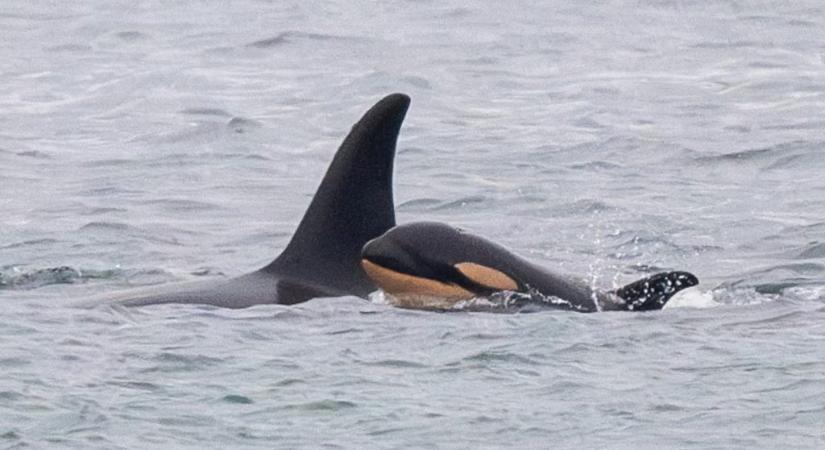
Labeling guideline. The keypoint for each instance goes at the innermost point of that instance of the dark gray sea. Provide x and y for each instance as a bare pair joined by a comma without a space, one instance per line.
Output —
149,142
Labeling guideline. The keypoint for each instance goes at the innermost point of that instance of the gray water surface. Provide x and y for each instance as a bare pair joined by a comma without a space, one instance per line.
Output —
151,142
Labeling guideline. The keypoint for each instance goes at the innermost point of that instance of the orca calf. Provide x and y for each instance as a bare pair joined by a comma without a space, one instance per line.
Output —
353,204
429,265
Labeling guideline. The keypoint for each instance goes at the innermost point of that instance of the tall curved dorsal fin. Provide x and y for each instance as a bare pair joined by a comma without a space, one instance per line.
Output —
353,204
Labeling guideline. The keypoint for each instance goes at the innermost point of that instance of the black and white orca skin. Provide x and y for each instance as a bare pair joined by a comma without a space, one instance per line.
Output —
430,265
353,204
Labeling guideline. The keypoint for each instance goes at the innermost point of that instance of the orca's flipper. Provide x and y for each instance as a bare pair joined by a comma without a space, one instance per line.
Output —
653,292
353,204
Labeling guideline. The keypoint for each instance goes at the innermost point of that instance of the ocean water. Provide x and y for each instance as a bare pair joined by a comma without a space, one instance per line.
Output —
150,142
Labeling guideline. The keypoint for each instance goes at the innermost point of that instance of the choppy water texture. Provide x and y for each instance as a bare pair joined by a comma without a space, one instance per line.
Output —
149,142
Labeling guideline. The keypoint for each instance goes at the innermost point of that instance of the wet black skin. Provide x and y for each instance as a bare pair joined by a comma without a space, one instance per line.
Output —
431,250
353,204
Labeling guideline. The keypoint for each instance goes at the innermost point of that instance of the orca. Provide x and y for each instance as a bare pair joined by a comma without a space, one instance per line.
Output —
431,265
353,204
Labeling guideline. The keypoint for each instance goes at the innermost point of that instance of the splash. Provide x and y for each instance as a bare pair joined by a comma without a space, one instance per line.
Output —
517,302
16,278
692,297
499,302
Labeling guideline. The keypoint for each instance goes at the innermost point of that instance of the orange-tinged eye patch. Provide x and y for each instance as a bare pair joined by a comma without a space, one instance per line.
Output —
397,283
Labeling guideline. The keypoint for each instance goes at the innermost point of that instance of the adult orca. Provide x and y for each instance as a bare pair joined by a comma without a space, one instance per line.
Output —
353,204
430,265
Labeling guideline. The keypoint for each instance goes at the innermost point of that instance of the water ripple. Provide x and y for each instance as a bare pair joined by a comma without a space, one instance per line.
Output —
603,139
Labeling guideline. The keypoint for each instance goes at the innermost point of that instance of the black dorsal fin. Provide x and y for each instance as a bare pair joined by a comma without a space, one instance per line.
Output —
654,291
353,204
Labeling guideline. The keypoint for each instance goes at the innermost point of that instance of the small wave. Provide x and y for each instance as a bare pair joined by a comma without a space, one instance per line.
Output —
102,211
806,293
109,162
131,36
108,191
800,161
773,283
418,82
396,364
30,243
195,111
789,155
32,279
418,204
581,207
810,230
516,302
322,405
36,154
135,385
147,277
70,48
14,362
207,272
176,362
46,17
242,125
812,250
766,65
180,205
40,277
645,243
645,268
792,269
288,382
461,203
412,151
105,226
200,158
432,204
10,396
237,399
596,166
287,37
588,123
742,296
119,230
274,41
804,125
743,155
499,356
770,318
728,45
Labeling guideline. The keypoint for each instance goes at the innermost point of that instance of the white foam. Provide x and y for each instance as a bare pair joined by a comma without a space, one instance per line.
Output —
379,298
807,293
692,297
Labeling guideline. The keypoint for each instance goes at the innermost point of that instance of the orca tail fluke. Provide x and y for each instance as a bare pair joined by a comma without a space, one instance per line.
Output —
653,292
353,204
